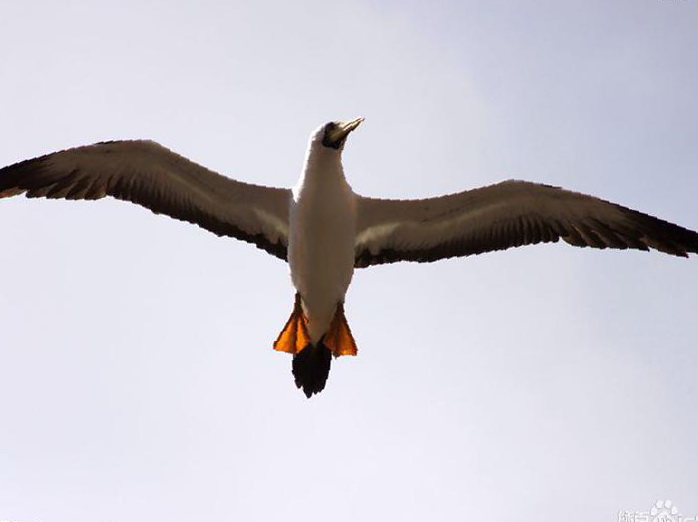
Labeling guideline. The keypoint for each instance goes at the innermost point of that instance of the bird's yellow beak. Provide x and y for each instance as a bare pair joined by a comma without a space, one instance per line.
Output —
336,134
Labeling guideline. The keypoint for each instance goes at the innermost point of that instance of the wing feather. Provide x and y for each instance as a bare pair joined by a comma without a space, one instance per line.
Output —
150,175
505,215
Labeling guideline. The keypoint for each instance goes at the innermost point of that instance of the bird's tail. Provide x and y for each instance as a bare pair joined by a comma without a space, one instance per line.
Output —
311,361
311,367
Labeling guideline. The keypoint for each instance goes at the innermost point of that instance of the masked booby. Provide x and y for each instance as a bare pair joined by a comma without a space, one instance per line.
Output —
324,230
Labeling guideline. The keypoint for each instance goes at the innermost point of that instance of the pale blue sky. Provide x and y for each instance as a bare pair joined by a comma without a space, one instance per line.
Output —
138,380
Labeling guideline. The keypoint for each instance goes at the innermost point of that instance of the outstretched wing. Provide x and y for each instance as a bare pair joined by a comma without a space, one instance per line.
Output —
153,176
505,215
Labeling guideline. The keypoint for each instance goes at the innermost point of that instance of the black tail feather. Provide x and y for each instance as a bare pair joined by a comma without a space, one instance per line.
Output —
311,366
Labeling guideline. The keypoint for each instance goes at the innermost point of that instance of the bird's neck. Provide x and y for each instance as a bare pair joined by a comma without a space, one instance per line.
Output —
322,171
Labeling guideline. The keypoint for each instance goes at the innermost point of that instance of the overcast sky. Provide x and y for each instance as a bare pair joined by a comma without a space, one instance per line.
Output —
137,379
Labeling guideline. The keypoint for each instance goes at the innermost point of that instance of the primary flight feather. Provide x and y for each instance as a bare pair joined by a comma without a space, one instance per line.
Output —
324,230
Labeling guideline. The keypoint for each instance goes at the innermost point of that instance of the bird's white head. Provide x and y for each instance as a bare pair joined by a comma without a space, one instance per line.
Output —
333,135
323,159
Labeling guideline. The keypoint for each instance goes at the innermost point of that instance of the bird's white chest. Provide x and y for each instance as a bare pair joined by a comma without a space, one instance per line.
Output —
321,248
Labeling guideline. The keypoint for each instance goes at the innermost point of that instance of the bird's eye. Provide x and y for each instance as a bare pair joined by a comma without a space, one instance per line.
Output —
328,138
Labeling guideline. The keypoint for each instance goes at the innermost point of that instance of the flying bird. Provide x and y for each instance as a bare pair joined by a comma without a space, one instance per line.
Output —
324,230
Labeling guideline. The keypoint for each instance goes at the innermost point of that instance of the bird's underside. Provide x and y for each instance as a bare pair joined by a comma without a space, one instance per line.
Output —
496,217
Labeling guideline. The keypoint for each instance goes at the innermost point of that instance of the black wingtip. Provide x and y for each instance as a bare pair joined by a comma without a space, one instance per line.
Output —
311,367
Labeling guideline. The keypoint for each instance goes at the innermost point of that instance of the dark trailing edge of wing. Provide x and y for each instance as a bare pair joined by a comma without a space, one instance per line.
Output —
642,232
32,178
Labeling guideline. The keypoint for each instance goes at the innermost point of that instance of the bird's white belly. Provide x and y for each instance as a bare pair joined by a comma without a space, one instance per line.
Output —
321,253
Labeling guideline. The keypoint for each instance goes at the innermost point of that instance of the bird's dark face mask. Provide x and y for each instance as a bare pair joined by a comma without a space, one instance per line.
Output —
336,132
